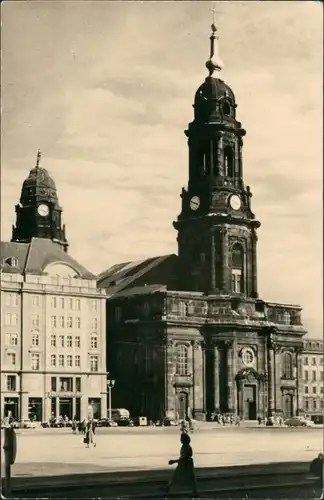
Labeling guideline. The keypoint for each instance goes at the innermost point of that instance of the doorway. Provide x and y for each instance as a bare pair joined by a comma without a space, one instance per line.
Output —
249,402
66,408
288,406
11,406
35,409
182,405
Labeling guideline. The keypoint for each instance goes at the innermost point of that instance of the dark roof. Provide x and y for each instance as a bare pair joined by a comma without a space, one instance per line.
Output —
121,276
140,290
33,257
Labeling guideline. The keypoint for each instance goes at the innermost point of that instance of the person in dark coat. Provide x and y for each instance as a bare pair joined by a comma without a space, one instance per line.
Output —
185,471
316,468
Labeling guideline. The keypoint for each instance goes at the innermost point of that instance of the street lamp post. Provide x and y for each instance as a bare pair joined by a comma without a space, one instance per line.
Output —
110,385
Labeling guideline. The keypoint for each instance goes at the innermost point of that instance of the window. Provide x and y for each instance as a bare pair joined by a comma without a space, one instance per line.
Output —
53,384
306,375
11,319
35,320
34,361
77,304
322,389
306,389
94,363
94,342
61,321
314,376
70,303
14,339
11,383
237,268
94,305
322,404
53,359
53,321
322,376
61,340
306,405
228,162
78,384
69,360
69,322
182,360
321,361
287,366
314,405
77,322
35,339
61,360
182,309
62,302
94,324
248,357
36,300
306,361
66,384
77,361
313,361
53,340
69,341
314,390
11,358
54,302
11,299
77,341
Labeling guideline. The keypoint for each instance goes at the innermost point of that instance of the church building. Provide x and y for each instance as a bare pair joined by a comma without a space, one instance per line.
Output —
53,323
188,334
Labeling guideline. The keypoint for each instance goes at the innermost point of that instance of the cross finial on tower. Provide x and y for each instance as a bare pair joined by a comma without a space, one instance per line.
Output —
39,155
214,62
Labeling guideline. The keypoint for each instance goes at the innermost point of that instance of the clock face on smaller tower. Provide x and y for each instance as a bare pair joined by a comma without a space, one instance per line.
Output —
43,210
194,203
235,202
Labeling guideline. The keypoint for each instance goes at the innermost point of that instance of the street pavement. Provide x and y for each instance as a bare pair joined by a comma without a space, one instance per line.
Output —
42,453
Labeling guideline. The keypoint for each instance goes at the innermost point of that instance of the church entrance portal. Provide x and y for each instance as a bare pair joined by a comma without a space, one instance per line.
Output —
287,406
249,402
182,405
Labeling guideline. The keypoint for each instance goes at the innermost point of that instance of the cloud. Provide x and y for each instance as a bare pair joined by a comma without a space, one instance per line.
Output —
105,90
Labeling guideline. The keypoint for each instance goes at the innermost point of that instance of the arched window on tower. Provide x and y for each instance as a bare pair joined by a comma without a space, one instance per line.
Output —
237,269
287,366
228,161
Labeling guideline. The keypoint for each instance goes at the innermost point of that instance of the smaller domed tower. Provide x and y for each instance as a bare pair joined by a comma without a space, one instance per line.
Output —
38,214
216,227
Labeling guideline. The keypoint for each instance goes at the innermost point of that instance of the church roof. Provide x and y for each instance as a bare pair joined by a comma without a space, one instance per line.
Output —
124,275
141,290
33,257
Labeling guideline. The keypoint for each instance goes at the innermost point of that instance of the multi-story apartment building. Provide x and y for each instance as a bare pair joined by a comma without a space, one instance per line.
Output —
53,338
311,373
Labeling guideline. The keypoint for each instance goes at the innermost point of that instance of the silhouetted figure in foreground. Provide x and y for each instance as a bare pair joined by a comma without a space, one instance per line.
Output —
316,468
184,472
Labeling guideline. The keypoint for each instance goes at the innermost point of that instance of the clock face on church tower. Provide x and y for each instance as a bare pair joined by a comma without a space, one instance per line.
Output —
195,203
43,210
235,202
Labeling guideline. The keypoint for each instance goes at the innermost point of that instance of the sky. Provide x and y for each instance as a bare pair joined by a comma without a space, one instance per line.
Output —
105,90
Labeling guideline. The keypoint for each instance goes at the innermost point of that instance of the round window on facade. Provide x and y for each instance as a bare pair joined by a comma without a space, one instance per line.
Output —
248,357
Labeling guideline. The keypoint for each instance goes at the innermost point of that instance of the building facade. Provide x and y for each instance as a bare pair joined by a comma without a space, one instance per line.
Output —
311,373
53,316
188,334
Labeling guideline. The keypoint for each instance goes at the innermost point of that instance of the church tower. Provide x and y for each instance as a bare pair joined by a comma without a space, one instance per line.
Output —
38,214
217,241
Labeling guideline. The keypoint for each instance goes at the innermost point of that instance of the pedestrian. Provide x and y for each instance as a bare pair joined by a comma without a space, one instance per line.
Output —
316,468
184,472
89,435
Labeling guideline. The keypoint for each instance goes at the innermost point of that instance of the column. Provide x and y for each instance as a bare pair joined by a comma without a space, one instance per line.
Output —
57,405
211,159
234,378
203,347
240,167
73,406
216,378
298,351
213,263
270,362
198,380
224,246
103,405
229,352
254,265
170,361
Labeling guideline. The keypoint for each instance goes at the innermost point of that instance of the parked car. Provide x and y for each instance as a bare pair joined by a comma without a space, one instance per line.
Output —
24,424
106,422
298,422
125,422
